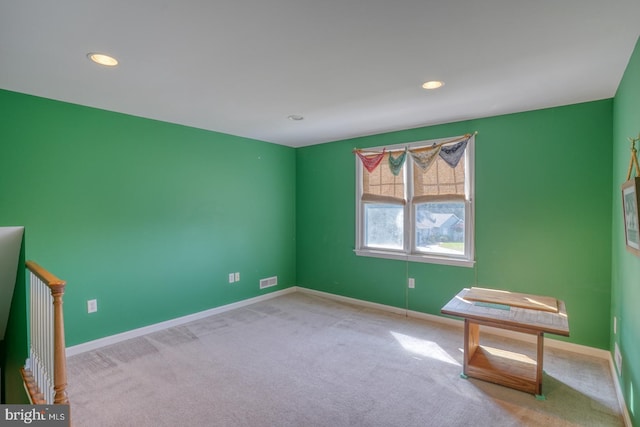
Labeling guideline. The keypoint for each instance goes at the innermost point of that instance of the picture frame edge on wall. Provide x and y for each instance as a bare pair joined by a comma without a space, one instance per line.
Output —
630,190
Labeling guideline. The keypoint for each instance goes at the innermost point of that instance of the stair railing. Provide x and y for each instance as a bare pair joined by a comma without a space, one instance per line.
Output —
45,371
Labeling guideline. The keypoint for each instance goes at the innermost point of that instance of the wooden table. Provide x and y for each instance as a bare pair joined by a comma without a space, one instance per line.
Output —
528,314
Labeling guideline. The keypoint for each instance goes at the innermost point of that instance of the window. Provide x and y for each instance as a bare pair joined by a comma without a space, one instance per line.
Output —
415,201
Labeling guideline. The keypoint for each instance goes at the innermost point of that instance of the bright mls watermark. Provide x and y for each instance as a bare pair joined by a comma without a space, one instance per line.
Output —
34,415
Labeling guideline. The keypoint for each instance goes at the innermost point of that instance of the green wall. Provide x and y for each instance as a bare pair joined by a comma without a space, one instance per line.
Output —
626,266
543,217
147,217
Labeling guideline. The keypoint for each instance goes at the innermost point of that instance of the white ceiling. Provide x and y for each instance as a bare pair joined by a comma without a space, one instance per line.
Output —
350,67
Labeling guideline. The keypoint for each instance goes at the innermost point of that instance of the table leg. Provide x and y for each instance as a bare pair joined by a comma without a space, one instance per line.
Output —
471,343
539,368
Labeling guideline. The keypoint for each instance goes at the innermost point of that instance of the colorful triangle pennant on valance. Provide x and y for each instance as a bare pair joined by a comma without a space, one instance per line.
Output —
396,163
371,161
424,157
452,153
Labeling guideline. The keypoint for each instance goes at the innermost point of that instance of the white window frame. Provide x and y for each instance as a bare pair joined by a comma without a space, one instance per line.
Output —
409,253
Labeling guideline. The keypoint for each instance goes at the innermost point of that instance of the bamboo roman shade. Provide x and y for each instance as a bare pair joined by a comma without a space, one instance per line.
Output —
382,185
439,182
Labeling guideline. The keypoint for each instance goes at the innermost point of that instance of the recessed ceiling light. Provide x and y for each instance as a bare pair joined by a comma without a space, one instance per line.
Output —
102,59
295,117
432,84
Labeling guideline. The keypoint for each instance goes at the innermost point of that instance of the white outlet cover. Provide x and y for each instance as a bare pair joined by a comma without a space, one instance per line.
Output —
92,306
232,277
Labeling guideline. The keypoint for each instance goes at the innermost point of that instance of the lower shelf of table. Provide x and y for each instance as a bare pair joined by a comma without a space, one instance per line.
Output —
504,367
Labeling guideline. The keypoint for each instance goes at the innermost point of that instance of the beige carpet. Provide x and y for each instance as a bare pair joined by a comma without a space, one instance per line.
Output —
301,360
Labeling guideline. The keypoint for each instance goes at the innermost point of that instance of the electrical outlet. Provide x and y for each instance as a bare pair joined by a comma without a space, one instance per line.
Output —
615,325
92,306
237,277
232,277
412,282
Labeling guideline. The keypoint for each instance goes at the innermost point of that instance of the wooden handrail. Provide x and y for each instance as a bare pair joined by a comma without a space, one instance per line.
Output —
56,286
48,278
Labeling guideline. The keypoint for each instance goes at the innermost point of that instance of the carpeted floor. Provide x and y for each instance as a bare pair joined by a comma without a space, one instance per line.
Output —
302,360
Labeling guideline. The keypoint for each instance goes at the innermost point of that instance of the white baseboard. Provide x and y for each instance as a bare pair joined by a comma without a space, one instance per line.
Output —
353,301
134,333
623,407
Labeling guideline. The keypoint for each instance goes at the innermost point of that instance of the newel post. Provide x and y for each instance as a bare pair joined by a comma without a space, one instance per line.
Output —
59,355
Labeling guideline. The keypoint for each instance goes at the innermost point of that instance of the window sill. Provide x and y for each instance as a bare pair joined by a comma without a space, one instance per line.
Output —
429,259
